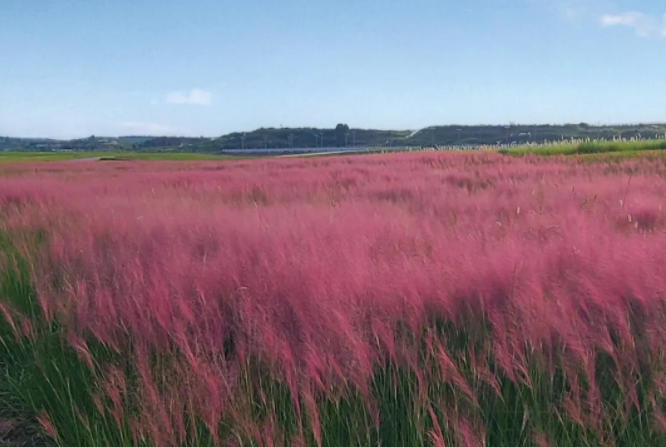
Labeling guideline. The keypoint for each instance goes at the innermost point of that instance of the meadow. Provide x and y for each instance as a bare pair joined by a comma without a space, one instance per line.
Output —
37,157
409,299
618,148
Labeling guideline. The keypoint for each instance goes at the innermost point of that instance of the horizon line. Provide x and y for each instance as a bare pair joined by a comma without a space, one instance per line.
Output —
598,124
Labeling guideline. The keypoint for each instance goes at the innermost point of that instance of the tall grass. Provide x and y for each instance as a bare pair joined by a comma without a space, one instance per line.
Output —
402,300
589,147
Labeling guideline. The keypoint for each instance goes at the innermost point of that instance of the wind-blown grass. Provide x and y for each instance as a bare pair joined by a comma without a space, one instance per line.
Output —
401,300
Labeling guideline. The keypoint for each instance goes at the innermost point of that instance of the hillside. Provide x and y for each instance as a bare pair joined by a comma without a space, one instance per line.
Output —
305,137
341,136
437,135
520,133
81,144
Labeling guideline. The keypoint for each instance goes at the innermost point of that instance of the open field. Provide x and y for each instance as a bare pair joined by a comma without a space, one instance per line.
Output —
599,150
14,157
583,148
410,299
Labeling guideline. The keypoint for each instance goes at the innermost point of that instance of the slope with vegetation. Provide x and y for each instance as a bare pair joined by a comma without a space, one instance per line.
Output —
342,135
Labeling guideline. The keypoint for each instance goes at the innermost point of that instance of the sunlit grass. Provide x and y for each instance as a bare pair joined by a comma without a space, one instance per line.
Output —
589,147
396,300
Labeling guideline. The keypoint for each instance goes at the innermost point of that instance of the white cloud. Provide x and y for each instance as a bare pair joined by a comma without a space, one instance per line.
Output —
572,13
139,128
196,96
643,24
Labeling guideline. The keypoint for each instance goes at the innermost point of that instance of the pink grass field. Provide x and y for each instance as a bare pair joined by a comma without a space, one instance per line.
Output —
312,265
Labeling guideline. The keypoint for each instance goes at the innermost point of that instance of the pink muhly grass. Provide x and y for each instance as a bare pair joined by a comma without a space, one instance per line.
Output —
99,404
27,329
271,435
572,407
470,435
83,418
298,441
541,440
45,422
313,416
450,373
325,270
7,315
436,435
114,387
81,349
659,419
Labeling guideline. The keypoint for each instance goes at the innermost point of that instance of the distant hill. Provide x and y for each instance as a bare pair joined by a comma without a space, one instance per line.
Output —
81,144
342,135
133,139
304,137
437,135
521,133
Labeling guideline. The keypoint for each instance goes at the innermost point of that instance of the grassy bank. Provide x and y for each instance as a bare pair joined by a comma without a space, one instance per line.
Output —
586,148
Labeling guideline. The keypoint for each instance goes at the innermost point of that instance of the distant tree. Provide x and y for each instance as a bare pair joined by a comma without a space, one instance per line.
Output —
340,131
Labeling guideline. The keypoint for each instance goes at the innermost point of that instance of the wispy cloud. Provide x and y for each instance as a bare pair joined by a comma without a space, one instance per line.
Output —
140,128
643,24
571,10
196,96
572,13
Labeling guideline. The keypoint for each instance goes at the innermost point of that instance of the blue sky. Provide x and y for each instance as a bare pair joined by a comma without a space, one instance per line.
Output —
73,68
